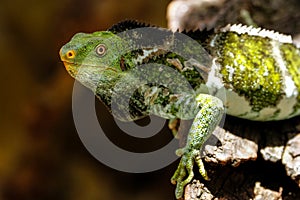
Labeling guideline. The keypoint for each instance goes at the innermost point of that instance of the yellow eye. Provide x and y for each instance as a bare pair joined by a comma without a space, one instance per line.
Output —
71,54
101,50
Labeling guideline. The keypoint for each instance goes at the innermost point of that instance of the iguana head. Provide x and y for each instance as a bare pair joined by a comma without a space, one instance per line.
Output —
93,59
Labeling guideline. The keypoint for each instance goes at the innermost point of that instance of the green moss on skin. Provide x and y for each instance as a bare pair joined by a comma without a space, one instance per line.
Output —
292,59
249,68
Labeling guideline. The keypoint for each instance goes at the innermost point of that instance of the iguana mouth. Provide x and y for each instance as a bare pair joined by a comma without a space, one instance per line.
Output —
73,64
74,67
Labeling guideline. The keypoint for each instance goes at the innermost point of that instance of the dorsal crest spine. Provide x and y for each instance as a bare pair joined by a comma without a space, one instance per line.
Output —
127,25
250,30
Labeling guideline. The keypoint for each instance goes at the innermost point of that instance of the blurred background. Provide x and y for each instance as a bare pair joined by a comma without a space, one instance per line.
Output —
41,155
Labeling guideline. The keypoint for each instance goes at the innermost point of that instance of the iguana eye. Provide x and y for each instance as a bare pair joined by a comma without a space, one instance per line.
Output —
101,50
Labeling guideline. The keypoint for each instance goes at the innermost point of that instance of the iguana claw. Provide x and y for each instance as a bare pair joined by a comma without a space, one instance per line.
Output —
185,167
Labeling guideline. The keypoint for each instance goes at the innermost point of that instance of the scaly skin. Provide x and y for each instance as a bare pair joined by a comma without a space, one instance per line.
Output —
260,71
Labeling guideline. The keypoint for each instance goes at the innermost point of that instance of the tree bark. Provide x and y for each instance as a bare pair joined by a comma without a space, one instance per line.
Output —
245,159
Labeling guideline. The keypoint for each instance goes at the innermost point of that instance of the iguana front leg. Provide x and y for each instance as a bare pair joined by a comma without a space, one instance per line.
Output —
205,122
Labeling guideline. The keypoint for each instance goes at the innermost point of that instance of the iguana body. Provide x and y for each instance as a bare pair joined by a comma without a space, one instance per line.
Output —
259,69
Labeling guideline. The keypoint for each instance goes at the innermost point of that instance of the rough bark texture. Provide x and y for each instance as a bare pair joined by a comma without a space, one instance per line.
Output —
251,160
245,159
198,14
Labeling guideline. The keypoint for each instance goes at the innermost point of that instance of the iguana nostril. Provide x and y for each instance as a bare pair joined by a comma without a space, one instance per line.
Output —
70,54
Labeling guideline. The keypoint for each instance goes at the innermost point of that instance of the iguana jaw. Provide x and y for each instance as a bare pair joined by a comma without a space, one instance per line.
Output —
74,68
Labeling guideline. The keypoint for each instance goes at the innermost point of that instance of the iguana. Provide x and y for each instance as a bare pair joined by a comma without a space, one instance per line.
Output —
259,69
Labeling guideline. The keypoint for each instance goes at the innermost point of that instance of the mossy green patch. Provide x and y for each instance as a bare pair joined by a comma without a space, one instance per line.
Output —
292,59
250,69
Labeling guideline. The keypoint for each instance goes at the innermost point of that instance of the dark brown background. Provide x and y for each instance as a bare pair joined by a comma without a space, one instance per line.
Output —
41,156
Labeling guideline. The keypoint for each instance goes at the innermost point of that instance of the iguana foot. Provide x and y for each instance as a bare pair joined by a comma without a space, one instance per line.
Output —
185,167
